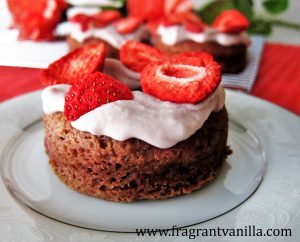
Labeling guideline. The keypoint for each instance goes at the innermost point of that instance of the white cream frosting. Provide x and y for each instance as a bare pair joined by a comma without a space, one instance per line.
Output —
177,33
89,11
107,33
112,3
54,98
159,123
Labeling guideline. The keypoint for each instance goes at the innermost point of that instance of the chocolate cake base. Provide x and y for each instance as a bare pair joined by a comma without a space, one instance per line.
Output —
110,50
125,171
231,58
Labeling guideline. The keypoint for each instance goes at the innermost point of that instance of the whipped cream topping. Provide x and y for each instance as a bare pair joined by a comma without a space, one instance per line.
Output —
159,123
111,3
177,33
89,11
107,33
54,98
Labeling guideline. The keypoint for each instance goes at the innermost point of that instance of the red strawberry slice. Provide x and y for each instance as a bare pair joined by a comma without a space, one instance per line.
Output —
172,7
171,21
231,21
185,78
35,21
128,25
105,17
153,25
146,9
193,23
75,65
194,58
81,19
100,19
95,90
62,4
136,55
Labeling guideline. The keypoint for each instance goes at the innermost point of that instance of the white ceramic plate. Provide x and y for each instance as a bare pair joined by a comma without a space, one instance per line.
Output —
275,204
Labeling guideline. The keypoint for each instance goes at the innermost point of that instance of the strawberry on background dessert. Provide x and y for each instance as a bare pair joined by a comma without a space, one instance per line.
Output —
107,141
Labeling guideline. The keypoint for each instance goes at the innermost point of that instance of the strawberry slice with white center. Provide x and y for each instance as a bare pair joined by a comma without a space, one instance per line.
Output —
185,78
75,65
94,91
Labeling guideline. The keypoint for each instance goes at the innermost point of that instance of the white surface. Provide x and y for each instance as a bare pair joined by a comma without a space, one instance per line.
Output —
114,3
276,204
28,53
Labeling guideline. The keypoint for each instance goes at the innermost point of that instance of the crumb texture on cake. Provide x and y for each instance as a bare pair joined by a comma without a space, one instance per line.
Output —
130,170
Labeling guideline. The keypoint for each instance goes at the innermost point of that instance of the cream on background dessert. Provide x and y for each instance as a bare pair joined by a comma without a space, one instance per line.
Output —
172,35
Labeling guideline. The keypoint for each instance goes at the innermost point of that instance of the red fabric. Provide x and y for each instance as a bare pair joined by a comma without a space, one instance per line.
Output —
18,80
278,78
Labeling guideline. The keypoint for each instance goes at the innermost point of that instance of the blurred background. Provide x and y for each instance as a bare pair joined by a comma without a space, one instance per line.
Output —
278,20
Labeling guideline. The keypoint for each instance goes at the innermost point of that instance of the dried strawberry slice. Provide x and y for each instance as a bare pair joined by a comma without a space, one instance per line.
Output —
105,17
75,65
146,9
172,7
81,19
94,91
136,55
184,78
128,25
153,25
231,21
35,21
62,4
100,19
193,23
195,58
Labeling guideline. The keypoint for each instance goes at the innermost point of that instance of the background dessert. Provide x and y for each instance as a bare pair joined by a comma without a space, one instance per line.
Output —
225,39
90,25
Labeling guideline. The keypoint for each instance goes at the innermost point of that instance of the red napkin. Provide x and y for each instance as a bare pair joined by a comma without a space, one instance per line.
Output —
18,80
278,79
